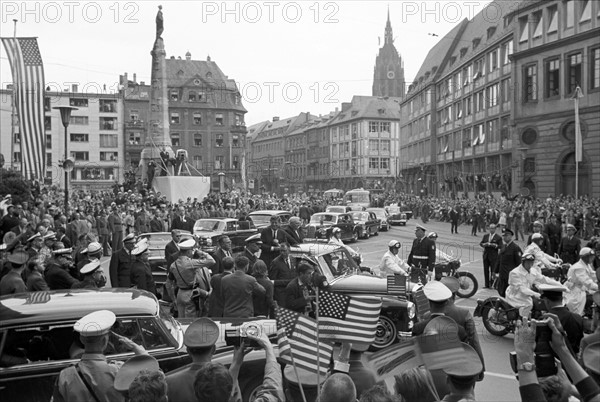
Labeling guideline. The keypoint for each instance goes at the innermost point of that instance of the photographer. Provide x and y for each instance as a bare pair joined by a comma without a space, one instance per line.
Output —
525,345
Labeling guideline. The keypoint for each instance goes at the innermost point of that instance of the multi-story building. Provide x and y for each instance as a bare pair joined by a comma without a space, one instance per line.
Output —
388,77
9,129
318,173
456,134
556,51
206,118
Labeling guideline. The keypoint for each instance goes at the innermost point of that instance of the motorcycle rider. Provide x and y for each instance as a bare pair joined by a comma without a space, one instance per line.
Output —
581,281
542,260
519,293
336,239
391,263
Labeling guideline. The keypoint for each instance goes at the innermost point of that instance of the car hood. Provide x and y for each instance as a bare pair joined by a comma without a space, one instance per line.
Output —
206,233
359,284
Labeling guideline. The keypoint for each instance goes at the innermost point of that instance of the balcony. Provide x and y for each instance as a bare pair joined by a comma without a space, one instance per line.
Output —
135,124
239,128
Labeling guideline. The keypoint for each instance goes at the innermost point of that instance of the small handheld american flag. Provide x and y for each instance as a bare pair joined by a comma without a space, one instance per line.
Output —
396,285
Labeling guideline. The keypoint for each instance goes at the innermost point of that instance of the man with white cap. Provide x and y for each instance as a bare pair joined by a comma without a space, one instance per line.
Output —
581,281
520,280
568,249
422,256
93,276
92,252
538,227
120,264
92,378
572,323
542,260
391,263
141,272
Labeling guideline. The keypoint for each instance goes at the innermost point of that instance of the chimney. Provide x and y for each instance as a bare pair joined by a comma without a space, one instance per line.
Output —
337,109
172,57
74,88
134,78
188,55
275,118
346,106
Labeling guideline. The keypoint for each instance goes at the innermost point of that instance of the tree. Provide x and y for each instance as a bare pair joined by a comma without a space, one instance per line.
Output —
12,182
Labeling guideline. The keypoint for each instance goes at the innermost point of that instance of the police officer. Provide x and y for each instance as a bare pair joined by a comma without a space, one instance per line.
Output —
92,378
131,369
508,259
93,276
199,339
120,264
92,252
141,273
252,249
422,256
462,377
57,270
572,323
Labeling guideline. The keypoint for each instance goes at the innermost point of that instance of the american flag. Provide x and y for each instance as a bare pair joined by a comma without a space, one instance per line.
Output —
297,339
28,76
39,297
440,351
348,319
422,303
396,285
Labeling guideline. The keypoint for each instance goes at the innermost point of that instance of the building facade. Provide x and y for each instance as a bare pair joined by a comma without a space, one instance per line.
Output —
388,77
556,51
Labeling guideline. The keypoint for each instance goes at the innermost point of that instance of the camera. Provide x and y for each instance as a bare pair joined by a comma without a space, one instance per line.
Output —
545,363
235,335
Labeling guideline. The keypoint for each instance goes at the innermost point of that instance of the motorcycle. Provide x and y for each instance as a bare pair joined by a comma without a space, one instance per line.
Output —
500,317
467,281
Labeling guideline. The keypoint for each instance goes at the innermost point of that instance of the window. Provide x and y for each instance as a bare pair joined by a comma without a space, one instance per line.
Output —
80,156
595,69
505,88
17,138
529,165
569,13
468,106
198,161
77,102
354,131
552,78
524,26
493,62
192,96
504,129
79,137
219,119
538,23
16,157
78,120
492,95
373,163
478,134
384,146
373,146
134,115
108,106
48,122
174,95
109,156
574,72
174,118
507,50
384,163
219,140
108,123
48,158
48,141
478,69
219,162
552,19
529,136
492,131
467,74
586,11
134,138
235,162
479,101
235,140
175,139
239,119
197,140
530,83
197,118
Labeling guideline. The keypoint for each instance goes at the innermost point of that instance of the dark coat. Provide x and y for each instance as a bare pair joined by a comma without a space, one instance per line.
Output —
120,269
508,259
491,251
422,254
568,250
181,383
238,290
281,274
171,253
572,324
219,255
294,238
215,300
178,223
58,278
263,304
141,276
266,236
294,296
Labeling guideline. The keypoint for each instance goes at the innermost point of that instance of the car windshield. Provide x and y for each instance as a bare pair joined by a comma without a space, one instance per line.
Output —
260,219
337,263
393,209
317,218
361,216
157,242
209,225
379,214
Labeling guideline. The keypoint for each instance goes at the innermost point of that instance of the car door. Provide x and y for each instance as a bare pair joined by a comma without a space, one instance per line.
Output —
346,223
373,222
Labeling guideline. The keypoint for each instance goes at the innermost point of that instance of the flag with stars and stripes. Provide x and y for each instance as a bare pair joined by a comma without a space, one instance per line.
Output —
297,340
28,77
348,319
396,285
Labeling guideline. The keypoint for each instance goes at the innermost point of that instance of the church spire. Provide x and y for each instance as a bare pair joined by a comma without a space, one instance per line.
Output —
389,36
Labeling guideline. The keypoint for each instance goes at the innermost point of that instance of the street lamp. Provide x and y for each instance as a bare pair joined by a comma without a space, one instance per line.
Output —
68,165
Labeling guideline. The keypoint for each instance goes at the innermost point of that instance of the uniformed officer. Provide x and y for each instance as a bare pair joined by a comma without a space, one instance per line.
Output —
131,369
568,249
13,282
120,264
93,276
92,252
422,256
92,378
57,270
141,273
252,250
199,339
508,259
190,271
572,323
462,377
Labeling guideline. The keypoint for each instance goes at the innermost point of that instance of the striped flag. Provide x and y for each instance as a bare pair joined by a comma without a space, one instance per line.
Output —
39,297
297,340
422,303
348,319
396,285
394,360
28,76
439,351
578,144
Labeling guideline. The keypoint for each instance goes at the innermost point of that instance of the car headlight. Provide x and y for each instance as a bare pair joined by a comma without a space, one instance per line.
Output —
412,310
209,242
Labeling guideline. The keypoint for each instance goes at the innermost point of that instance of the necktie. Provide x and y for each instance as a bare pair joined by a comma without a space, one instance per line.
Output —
274,234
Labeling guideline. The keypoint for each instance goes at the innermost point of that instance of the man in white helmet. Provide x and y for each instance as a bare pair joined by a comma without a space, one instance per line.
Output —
581,281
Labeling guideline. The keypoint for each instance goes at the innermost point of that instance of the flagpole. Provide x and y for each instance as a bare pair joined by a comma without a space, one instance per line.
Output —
578,140
318,351
298,377
13,111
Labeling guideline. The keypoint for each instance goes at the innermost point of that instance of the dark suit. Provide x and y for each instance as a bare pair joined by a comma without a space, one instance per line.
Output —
35,282
295,237
141,276
181,384
545,246
490,255
12,283
251,257
294,297
171,253
120,269
572,324
422,256
508,259
266,236
65,241
553,230
453,221
185,223
263,304
156,225
282,274
568,249
215,300
219,255
58,278
238,290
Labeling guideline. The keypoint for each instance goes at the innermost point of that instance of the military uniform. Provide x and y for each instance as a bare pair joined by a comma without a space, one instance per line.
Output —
508,259
120,269
568,249
422,256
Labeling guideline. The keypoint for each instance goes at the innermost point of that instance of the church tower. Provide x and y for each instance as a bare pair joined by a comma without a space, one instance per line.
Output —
388,79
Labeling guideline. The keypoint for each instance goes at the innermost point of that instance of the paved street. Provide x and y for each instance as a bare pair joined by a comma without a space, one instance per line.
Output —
499,383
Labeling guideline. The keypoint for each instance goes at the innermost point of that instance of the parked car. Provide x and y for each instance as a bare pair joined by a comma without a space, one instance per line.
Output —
334,263
38,326
262,219
208,232
338,208
397,217
367,223
322,223
383,216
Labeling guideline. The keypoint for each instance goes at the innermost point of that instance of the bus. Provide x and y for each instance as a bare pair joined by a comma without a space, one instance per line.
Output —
334,193
358,198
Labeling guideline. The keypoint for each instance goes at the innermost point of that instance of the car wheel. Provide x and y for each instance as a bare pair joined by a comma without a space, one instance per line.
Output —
385,333
251,388
376,233
354,236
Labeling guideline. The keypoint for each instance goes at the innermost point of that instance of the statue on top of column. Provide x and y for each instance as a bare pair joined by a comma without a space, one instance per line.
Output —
159,23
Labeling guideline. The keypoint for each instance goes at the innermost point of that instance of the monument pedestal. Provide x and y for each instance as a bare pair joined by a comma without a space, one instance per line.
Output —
177,188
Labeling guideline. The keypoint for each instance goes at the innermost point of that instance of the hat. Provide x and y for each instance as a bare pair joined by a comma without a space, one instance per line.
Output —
49,236
254,239
442,325
551,290
421,227
35,236
140,247
536,236
571,227
96,323
585,251
7,196
93,247
65,252
394,243
451,282
336,230
436,291
591,358
129,237
18,257
432,235
507,231
90,267
131,368
528,257
201,333
187,244
537,223
470,368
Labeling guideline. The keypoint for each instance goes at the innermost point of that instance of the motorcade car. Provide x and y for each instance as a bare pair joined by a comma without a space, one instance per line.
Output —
343,275
383,217
208,231
37,339
367,223
322,223
397,217
338,208
262,219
